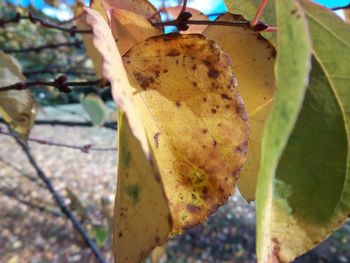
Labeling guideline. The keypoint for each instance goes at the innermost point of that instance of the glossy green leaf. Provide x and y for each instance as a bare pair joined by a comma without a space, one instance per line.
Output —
292,71
247,8
312,186
95,107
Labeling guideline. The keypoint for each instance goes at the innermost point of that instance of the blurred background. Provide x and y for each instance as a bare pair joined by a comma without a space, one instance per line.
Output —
32,228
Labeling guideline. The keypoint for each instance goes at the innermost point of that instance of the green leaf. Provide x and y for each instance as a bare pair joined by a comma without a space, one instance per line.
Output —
16,107
312,186
248,8
292,71
101,234
95,107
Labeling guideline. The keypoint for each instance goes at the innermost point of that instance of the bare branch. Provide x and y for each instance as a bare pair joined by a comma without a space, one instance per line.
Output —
53,70
341,7
35,20
76,44
182,24
59,83
108,125
59,200
85,148
13,195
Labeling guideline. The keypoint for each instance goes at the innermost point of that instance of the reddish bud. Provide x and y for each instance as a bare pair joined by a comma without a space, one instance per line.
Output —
185,16
260,26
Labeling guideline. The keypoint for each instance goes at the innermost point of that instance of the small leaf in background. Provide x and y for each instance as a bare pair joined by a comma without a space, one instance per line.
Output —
16,107
195,120
292,71
253,60
100,234
142,218
95,107
75,204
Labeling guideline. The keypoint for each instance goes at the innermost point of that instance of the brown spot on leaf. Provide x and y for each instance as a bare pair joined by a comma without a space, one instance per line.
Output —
173,53
143,80
213,74
156,139
193,208
236,173
225,97
243,148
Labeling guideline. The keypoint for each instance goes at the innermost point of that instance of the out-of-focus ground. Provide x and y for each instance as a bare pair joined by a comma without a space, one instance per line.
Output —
88,181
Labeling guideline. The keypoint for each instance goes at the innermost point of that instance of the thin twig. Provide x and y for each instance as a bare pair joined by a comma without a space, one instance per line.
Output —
179,24
35,20
18,170
85,148
11,194
59,83
59,201
184,6
108,125
76,44
59,70
341,7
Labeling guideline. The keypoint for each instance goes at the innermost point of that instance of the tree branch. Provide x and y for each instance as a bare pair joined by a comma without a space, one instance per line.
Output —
59,201
108,125
341,7
11,194
58,70
182,24
59,83
85,148
76,44
35,20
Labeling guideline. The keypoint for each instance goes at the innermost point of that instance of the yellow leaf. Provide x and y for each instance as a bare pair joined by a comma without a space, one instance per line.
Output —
16,107
130,28
93,53
141,215
114,71
141,7
184,90
128,21
253,64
